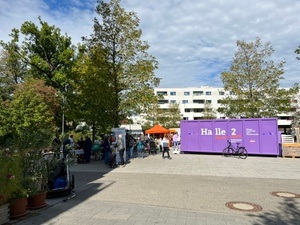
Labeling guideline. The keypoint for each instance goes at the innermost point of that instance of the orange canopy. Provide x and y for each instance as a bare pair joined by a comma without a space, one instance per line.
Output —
157,129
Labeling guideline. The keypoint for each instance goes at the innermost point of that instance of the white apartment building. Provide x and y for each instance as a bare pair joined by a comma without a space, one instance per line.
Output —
192,101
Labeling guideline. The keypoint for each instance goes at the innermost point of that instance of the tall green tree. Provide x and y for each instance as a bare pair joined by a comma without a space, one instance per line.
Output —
169,117
174,115
254,79
47,54
90,98
152,115
296,102
12,72
42,53
209,112
129,69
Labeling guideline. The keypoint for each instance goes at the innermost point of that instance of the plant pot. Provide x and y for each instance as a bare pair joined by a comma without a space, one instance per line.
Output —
18,208
37,201
4,214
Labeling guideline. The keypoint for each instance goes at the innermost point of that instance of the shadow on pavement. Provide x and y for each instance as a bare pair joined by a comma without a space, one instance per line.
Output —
86,186
288,213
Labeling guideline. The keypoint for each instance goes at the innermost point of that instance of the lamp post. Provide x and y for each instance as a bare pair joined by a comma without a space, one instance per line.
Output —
63,124
63,113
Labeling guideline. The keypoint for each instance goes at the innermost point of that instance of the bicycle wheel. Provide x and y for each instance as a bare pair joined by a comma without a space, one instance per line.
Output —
243,153
225,152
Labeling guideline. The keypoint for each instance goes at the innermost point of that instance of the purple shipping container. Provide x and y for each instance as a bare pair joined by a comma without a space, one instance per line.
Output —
259,136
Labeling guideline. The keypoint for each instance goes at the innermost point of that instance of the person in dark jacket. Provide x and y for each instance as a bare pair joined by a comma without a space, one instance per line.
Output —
107,149
80,143
65,149
87,148
56,145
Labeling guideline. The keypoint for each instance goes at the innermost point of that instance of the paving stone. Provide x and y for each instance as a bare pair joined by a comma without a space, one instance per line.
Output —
187,190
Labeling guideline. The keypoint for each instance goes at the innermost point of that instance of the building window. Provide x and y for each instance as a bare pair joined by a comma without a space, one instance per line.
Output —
221,93
186,93
231,93
208,93
164,93
173,93
163,101
173,101
208,101
185,118
197,93
187,110
198,101
197,118
198,110
185,101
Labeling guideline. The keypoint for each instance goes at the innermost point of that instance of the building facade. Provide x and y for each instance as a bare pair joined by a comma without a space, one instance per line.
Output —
193,100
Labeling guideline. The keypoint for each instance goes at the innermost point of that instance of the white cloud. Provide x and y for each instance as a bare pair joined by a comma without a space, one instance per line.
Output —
193,41
206,32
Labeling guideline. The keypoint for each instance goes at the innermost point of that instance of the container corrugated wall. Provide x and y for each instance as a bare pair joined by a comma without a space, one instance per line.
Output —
259,136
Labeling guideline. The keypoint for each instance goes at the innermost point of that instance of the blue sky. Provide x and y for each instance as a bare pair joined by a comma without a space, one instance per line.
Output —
193,41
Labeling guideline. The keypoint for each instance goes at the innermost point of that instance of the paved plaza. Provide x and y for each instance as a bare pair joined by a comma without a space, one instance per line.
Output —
190,189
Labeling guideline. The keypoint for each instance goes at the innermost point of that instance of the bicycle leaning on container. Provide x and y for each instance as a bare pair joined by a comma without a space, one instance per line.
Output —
231,150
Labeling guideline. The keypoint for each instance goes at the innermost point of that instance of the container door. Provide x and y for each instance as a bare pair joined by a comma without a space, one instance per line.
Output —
269,137
251,136
206,132
235,132
220,135
190,136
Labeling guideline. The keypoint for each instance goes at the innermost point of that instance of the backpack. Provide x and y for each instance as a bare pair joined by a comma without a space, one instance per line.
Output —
140,145
96,148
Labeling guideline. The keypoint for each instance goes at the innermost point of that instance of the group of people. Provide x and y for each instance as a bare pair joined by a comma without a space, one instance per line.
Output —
107,146
161,143
68,144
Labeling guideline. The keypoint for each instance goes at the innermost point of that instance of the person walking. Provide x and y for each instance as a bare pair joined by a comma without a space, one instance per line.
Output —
160,140
140,147
175,141
96,148
87,148
130,141
165,146
121,149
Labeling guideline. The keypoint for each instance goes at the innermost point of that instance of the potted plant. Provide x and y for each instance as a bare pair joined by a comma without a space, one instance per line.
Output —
11,188
9,182
33,167
18,203
35,174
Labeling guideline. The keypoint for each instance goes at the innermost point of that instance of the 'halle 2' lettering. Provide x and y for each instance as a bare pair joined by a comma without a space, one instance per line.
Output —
218,131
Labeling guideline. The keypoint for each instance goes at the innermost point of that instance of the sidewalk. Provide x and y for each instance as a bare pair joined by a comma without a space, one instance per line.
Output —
189,189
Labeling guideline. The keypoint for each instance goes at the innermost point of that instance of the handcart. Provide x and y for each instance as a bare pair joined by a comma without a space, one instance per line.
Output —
60,181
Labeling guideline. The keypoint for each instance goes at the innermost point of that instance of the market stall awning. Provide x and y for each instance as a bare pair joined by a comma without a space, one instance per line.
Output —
157,129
